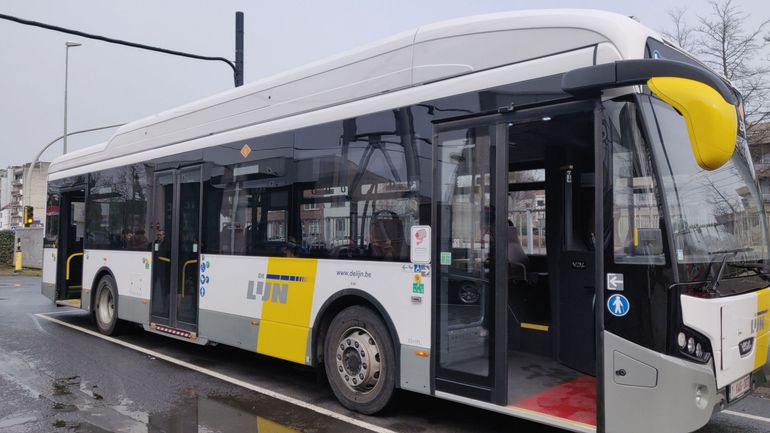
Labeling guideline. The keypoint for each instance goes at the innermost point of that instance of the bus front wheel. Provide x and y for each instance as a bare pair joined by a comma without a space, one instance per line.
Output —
359,360
106,305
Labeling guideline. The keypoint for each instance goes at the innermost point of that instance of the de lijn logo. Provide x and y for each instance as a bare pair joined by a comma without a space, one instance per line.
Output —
271,287
618,305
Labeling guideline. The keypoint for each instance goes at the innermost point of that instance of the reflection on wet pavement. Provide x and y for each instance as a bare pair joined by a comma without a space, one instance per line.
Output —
213,414
72,404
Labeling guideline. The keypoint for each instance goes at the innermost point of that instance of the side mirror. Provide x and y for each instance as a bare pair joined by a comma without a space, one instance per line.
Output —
712,122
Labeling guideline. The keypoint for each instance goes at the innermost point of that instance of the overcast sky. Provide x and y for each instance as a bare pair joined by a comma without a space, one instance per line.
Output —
111,84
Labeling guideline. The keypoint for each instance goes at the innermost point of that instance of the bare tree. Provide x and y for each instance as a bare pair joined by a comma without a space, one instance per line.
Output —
731,48
723,40
682,33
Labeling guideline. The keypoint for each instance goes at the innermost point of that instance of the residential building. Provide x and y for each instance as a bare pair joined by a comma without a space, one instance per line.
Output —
15,194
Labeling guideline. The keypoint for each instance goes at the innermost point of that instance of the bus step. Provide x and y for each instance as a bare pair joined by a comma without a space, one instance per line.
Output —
179,334
68,303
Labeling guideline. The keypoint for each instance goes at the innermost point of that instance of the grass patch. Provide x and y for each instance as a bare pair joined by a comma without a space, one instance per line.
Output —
8,271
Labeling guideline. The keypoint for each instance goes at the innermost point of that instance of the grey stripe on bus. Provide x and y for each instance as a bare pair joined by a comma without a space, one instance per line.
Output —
230,329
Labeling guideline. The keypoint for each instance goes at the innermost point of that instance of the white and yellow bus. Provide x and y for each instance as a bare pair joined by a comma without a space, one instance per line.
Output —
548,214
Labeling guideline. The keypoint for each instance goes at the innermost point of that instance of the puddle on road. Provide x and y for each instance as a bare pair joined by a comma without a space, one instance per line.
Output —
62,386
190,413
220,414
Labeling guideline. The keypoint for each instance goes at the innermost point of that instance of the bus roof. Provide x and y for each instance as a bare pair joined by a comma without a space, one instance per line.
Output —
427,54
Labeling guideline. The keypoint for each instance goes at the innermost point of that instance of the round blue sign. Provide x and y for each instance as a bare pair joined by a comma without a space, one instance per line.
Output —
618,305
203,267
203,291
203,279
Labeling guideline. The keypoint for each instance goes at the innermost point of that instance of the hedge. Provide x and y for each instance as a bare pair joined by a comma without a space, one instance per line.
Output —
7,240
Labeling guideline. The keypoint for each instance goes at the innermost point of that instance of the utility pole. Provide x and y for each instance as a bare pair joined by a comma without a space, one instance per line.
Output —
238,49
67,46
131,44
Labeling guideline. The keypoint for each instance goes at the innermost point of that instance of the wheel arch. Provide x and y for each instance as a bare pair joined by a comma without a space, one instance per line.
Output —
338,302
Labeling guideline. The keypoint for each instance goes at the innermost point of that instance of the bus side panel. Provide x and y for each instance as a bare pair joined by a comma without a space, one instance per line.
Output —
132,272
230,299
48,287
269,305
404,291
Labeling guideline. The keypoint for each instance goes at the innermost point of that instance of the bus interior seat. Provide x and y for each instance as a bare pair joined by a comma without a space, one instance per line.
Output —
387,235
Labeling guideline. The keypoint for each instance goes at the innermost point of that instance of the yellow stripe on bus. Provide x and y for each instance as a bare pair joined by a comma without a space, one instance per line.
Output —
283,327
763,327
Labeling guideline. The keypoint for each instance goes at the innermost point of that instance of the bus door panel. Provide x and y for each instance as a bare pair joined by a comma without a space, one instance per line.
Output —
162,229
71,231
466,325
188,244
176,248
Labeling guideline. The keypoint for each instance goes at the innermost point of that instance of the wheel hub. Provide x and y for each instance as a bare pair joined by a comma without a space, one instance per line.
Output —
358,360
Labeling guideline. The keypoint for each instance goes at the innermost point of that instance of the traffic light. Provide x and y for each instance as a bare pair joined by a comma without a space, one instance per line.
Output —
28,216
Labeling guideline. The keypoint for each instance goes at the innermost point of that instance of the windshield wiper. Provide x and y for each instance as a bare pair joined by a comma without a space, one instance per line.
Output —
713,284
732,251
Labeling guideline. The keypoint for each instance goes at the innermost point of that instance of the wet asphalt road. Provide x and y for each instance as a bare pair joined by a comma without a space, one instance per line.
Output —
53,378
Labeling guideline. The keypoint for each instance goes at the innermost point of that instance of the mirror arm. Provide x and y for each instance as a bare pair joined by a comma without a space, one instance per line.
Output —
593,79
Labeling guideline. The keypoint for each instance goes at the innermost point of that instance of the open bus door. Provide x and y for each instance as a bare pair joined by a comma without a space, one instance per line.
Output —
69,262
514,204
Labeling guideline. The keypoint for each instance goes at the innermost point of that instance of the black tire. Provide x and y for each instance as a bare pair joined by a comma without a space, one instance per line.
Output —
353,331
106,305
468,293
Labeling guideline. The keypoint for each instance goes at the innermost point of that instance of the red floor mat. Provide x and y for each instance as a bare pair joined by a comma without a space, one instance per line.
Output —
574,400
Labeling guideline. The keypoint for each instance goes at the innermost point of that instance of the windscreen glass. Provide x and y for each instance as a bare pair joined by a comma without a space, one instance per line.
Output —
715,215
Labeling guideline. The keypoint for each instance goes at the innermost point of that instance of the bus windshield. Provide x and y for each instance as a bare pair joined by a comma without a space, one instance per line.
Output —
715,215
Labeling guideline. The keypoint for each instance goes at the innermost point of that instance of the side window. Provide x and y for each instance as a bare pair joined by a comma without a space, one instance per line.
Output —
637,233
51,220
358,187
138,190
246,197
117,209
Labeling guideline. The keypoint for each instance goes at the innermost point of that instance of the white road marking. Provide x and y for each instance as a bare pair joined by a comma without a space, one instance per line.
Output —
37,323
220,376
747,415
61,310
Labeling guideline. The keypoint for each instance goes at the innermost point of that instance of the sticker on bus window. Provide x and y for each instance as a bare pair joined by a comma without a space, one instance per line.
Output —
446,258
618,305
420,244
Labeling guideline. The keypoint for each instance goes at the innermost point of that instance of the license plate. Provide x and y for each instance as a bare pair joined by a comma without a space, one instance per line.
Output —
739,388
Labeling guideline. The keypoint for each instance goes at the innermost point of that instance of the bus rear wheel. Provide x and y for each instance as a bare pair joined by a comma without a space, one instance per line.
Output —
106,305
359,360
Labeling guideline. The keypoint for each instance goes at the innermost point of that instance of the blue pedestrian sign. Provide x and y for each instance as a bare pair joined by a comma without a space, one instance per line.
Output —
618,305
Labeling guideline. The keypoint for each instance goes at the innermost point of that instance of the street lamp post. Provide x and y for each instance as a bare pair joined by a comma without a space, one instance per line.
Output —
68,45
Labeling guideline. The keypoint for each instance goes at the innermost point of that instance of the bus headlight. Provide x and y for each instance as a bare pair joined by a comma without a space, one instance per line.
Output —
693,345
681,339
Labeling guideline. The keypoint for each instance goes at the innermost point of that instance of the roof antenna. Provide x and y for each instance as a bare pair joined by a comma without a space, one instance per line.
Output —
635,18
